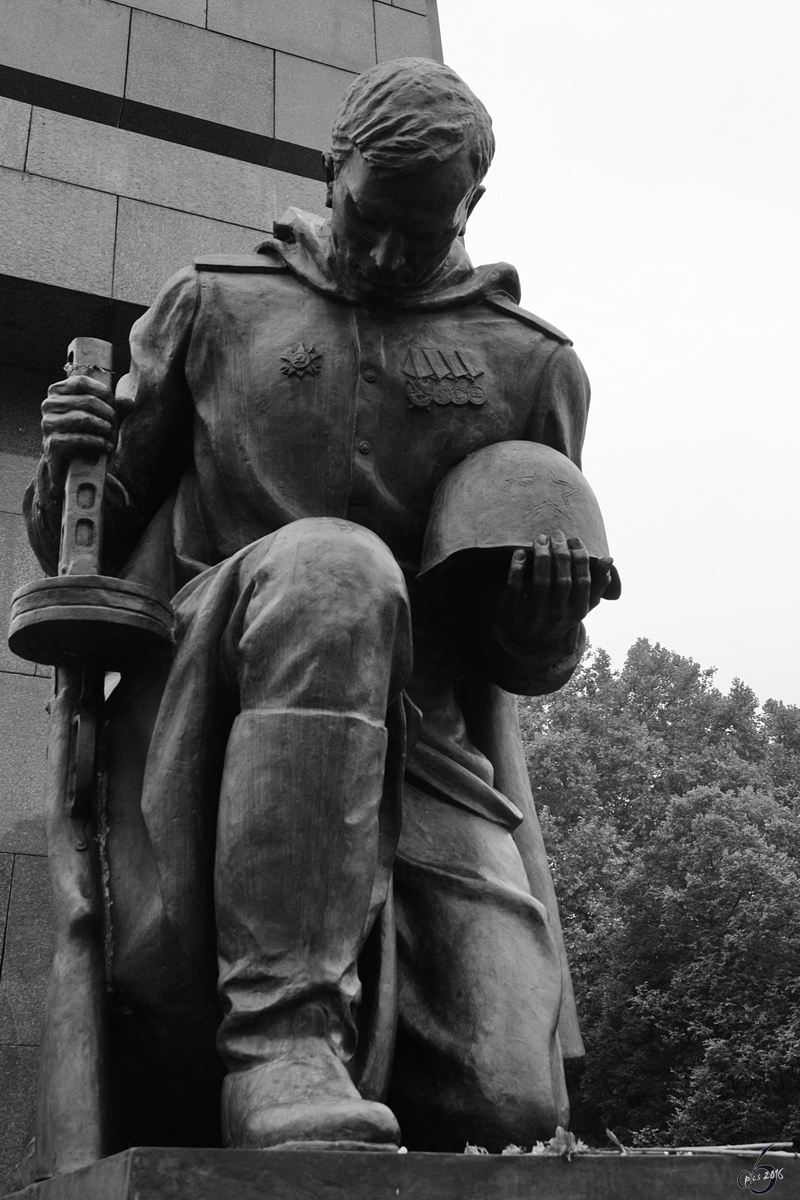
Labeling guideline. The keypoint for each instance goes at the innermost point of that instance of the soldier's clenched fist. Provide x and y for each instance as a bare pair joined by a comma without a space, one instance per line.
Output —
78,418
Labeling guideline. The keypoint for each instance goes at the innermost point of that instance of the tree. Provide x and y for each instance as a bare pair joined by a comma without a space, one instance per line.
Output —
671,814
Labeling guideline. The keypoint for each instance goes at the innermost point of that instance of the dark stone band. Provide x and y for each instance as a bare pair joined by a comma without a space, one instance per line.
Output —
162,123
39,319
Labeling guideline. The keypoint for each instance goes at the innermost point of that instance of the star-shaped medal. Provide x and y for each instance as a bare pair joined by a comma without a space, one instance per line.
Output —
301,360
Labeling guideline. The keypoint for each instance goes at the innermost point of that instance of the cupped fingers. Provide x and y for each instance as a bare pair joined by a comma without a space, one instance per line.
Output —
516,575
541,575
580,594
562,572
601,578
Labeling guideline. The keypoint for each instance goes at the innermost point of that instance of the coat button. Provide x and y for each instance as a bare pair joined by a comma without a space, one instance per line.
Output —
370,374
363,447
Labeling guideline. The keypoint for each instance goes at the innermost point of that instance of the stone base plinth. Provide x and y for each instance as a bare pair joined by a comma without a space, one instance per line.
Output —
180,1174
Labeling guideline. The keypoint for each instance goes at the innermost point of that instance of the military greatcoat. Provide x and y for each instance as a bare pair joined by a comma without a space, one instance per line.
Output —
263,391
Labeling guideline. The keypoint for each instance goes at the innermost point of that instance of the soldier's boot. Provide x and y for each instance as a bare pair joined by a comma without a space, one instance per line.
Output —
297,884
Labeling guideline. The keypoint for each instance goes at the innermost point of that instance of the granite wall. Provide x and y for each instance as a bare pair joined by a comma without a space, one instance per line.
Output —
132,137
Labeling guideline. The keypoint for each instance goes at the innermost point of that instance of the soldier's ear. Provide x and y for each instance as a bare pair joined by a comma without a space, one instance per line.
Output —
473,200
327,166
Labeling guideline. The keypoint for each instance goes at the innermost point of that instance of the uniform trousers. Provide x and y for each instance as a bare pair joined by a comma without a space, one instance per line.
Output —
271,771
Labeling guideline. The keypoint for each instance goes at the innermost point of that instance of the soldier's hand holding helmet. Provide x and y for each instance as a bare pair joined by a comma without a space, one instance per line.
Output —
549,590
530,499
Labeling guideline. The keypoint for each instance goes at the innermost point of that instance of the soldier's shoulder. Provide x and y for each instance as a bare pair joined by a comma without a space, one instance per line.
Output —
262,262
501,302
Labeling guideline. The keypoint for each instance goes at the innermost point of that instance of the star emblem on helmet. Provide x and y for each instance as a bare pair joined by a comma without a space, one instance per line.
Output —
558,498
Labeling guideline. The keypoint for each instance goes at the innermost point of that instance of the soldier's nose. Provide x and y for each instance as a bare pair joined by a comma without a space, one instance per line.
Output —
388,253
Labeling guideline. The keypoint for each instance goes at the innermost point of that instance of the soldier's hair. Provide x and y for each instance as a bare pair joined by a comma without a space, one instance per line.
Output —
409,114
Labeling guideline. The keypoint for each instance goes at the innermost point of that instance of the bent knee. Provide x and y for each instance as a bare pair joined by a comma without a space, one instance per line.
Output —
328,574
338,560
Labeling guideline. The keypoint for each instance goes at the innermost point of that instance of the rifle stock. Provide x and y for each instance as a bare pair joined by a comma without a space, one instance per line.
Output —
83,623
72,1101
72,1115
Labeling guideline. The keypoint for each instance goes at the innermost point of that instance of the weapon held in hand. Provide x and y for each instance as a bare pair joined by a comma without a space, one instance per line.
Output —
82,623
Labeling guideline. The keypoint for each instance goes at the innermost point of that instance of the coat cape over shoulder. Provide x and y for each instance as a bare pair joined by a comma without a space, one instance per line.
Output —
174,843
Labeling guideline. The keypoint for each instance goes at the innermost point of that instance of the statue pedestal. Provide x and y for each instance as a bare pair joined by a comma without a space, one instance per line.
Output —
186,1174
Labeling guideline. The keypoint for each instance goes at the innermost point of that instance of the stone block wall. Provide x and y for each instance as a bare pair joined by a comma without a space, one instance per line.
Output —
132,137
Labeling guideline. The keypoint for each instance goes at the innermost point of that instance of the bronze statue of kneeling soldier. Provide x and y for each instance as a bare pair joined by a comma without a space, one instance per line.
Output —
324,890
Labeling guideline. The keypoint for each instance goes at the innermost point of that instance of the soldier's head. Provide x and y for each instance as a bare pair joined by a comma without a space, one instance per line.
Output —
410,146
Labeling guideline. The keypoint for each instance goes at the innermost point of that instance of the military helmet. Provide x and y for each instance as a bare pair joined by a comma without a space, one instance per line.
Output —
503,497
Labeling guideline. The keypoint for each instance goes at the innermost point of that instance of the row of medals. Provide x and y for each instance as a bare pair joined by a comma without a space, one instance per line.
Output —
422,392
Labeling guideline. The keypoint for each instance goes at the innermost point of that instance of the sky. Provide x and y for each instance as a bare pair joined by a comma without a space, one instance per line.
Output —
647,187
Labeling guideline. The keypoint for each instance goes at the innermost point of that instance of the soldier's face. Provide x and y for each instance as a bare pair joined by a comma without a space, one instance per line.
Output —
391,232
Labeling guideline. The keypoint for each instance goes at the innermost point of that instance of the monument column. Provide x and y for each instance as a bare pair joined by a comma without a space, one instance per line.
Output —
132,137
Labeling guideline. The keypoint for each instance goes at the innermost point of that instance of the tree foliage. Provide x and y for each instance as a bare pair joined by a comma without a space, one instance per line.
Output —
671,813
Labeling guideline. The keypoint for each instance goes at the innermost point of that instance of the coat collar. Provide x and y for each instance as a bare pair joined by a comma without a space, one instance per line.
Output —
302,240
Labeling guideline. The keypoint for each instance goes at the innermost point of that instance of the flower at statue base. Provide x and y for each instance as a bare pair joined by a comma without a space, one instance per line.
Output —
564,1145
